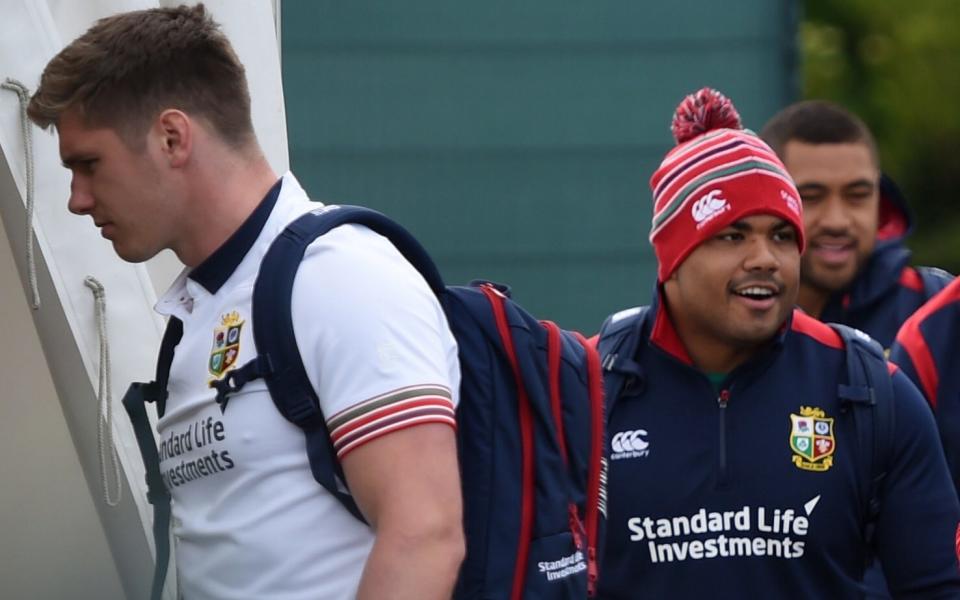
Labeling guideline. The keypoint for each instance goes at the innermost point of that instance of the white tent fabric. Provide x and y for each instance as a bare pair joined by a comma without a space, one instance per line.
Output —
68,249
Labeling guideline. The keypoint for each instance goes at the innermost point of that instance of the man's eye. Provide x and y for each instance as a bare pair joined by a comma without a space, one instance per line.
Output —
730,237
784,236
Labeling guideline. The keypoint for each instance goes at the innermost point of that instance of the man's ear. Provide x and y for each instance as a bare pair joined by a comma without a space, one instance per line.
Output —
175,130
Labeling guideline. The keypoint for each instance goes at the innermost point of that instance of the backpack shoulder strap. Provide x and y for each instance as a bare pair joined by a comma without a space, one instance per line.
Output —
618,341
134,401
869,392
933,279
279,361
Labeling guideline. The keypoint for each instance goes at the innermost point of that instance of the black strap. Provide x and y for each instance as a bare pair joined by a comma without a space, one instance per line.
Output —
933,279
273,332
234,380
618,341
272,318
134,401
171,337
869,391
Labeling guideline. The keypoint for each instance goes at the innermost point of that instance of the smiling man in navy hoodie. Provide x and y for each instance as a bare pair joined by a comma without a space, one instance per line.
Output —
856,269
737,462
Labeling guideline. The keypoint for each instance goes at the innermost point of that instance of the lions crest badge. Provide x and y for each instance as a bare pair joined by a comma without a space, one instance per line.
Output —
226,344
811,439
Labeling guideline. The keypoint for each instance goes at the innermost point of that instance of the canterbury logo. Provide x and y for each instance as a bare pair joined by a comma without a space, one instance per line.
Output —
709,206
630,441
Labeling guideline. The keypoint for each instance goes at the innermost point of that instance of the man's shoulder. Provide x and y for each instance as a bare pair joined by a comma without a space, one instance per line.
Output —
354,254
619,325
929,339
941,310
814,330
926,281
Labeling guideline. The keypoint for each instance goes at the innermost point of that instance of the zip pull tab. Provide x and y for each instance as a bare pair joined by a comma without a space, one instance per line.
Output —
576,526
579,533
723,398
593,573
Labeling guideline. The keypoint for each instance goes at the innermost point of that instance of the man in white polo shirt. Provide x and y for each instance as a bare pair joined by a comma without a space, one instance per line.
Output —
153,114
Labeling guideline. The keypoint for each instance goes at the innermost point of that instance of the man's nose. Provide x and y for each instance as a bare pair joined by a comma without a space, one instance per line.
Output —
834,216
81,200
761,256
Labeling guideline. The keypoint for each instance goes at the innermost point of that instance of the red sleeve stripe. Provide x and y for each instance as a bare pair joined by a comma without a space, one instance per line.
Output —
911,339
421,404
345,447
909,278
391,417
412,392
916,348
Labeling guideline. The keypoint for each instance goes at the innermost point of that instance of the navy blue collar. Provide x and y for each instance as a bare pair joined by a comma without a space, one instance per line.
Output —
213,272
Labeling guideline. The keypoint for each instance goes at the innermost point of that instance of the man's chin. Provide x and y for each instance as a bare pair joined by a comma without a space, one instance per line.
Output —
132,255
828,280
759,332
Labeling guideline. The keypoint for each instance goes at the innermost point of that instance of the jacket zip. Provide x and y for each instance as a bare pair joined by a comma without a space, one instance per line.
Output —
722,401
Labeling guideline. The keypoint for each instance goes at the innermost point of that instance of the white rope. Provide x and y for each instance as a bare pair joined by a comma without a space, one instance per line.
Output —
104,398
21,91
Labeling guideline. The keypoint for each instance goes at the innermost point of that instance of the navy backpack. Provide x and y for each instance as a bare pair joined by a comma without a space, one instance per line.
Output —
530,422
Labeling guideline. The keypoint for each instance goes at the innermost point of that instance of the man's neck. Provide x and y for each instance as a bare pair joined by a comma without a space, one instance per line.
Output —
222,197
707,353
714,357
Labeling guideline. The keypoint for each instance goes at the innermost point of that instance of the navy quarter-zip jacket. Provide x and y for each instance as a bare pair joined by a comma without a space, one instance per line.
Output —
753,490
928,350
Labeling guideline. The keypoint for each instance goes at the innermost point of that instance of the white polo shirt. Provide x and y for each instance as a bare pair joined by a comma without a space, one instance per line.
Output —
249,519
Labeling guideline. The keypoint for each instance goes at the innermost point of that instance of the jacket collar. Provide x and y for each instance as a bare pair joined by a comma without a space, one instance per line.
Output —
664,335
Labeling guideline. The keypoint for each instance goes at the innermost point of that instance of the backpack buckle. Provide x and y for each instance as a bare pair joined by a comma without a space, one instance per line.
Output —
234,380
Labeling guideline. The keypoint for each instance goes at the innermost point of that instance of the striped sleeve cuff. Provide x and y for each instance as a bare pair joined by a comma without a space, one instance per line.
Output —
399,409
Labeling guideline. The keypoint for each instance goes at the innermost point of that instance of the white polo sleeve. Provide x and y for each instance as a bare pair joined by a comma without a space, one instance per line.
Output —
373,339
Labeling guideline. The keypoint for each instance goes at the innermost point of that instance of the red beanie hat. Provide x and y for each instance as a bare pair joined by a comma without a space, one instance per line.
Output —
717,174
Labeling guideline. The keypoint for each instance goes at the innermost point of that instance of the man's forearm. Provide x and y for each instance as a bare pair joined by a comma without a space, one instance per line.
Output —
421,566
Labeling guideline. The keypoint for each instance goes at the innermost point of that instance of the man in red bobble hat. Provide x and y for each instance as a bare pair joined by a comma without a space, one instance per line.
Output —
755,452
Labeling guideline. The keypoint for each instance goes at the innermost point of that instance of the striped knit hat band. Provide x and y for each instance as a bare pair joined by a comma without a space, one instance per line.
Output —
715,178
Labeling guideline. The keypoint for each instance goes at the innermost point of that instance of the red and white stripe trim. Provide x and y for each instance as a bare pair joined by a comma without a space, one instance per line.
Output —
393,411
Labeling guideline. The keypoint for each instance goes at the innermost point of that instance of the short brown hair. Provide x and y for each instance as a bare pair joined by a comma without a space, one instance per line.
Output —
817,122
128,67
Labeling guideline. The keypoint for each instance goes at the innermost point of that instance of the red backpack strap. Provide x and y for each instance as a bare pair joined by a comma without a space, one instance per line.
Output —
526,438
596,477
553,374
554,349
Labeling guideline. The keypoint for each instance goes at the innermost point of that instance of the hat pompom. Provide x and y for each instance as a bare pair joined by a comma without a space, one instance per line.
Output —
701,112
